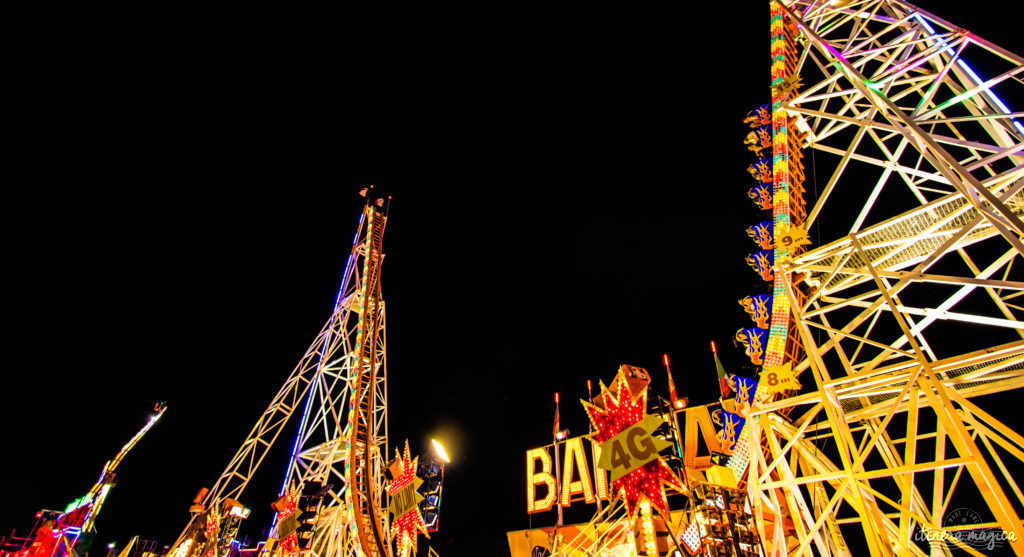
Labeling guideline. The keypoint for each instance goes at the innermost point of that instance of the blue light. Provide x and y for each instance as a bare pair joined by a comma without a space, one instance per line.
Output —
309,396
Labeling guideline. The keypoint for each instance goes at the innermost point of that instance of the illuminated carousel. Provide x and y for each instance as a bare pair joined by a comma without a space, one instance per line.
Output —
889,305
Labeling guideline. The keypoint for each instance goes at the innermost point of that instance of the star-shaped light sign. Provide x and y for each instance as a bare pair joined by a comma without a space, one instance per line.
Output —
628,450
405,502
287,519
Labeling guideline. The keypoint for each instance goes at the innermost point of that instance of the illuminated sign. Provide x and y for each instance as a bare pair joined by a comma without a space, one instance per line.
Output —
576,476
632,448
778,378
585,481
406,498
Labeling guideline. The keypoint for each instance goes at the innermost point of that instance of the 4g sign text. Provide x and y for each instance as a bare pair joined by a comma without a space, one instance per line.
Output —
626,452
632,448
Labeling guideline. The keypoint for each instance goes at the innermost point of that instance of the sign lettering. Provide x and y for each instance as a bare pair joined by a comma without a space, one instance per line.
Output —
633,447
404,500
581,482
574,460
779,378
535,478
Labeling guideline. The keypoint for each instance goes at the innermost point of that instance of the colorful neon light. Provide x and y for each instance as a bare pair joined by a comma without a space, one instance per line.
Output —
964,66
779,326
319,365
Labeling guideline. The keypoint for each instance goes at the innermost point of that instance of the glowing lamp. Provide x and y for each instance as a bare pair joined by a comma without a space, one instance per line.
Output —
562,435
239,511
439,451
713,349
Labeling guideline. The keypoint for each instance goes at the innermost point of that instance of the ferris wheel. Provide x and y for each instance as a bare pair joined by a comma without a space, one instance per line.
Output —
895,278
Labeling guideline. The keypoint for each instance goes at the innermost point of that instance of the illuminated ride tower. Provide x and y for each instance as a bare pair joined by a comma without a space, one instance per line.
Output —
903,310
334,498
71,533
892,328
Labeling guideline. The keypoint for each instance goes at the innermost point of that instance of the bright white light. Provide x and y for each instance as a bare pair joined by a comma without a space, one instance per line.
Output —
439,450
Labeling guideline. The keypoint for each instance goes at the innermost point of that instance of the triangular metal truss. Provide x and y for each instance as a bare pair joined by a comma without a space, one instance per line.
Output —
339,390
908,308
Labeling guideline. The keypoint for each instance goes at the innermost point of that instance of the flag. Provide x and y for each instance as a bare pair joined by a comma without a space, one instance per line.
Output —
723,379
672,395
557,427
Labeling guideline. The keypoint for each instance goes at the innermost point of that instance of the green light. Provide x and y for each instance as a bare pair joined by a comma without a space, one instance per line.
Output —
78,503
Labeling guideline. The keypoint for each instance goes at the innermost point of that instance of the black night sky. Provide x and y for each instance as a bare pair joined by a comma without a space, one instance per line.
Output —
569,195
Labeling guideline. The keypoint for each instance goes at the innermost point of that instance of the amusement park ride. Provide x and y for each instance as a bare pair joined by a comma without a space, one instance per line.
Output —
341,495
70,533
865,431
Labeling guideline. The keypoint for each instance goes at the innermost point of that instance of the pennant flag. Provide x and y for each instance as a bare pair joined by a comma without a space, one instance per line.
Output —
723,379
672,395
557,427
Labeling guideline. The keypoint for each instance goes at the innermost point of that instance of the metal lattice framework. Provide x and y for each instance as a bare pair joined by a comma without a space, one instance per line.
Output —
906,312
339,388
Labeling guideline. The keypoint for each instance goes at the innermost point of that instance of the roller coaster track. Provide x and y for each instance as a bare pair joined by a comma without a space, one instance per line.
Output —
363,499
343,370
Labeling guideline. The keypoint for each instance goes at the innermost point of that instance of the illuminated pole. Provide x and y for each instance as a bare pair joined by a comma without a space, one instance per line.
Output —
99,490
676,405
558,465
647,528
440,454
590,431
